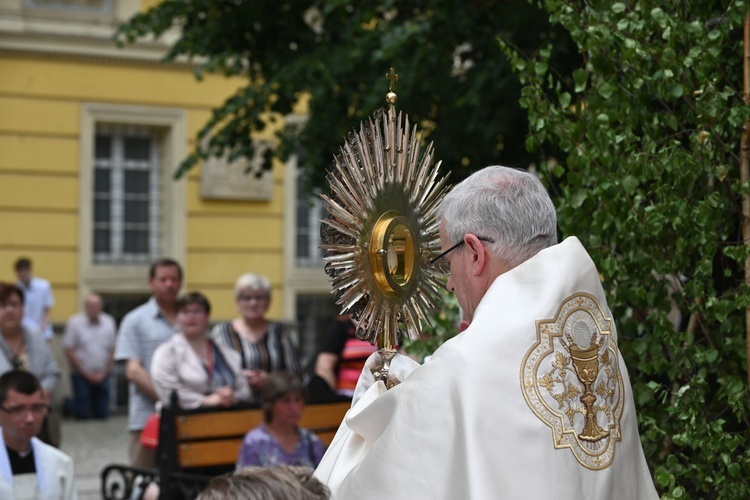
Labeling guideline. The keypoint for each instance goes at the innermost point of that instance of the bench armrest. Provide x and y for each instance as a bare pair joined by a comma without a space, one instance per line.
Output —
119,480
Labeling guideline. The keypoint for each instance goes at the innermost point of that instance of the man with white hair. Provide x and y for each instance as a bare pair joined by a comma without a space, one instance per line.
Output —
532,400
89,342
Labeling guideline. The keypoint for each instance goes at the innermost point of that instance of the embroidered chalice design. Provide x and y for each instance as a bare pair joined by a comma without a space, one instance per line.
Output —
571,380
586,366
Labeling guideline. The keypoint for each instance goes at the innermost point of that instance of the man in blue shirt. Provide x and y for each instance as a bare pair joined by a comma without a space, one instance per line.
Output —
143,330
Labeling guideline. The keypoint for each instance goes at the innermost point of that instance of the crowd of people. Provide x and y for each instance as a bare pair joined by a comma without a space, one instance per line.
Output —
170,353
480,419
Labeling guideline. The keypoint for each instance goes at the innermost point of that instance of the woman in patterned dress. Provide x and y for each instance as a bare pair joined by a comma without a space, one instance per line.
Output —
265,346
279,440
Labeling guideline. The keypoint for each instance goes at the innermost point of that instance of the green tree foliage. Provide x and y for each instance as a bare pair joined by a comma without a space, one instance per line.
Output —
647,135
443,326
338,52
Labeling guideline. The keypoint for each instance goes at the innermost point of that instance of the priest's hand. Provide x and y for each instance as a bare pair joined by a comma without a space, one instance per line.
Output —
401,367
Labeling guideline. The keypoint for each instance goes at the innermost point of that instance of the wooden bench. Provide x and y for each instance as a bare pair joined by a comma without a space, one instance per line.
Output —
195,445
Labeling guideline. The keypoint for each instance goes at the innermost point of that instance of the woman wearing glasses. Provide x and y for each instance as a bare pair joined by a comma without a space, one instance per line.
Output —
24,349
265,346
202,372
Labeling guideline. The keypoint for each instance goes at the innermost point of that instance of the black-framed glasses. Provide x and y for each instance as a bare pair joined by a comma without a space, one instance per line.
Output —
19,411
251,298
439,257
192,312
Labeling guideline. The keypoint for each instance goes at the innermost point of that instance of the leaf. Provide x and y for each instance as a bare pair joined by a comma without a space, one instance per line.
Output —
605,90
629,184
664,477
580,77
577,200
565,99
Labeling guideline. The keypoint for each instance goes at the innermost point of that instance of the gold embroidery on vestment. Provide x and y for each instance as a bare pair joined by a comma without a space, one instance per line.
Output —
571,380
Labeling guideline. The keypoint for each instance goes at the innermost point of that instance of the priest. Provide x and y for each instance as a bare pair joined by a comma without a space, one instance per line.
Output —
531,400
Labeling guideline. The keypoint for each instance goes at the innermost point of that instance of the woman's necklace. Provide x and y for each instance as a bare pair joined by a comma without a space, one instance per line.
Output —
209,359
18,359
205,354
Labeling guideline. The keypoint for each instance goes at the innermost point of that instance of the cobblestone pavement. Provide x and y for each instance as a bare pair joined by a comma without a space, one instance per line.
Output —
94,444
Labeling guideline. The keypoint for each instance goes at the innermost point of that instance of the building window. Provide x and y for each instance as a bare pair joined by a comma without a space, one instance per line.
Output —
132,211
310,212
307,292
126,195
315,315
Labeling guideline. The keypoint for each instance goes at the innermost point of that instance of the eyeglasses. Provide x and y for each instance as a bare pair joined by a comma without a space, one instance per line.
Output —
440,258
192,312
250,298
20,411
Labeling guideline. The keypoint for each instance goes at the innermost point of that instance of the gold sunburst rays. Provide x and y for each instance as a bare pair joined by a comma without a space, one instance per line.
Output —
381,230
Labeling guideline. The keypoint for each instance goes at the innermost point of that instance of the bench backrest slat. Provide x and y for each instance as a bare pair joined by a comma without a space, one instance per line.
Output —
217,425
321,416
207,453
214,438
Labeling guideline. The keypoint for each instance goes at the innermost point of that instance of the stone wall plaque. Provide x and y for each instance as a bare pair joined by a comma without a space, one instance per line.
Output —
221,180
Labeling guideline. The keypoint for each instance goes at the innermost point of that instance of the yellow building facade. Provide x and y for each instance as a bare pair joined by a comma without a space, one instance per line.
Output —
90,136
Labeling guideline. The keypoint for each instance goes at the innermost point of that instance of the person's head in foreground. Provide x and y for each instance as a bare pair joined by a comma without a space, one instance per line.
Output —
283,482
283,399
490,223
22,408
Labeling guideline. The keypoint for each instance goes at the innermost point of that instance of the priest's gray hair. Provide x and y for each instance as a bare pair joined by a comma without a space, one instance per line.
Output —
508,206
254,282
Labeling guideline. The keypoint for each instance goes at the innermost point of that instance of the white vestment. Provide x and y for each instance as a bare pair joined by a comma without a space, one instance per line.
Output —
54,475
463,426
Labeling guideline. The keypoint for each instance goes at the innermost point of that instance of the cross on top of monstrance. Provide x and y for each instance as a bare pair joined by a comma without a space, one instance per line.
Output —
393,78
381,232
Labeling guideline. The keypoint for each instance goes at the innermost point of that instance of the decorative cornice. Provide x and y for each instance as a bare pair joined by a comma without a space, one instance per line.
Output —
79,39
112,54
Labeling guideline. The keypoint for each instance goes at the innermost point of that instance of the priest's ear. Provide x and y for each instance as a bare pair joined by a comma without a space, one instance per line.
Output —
484,261
477,253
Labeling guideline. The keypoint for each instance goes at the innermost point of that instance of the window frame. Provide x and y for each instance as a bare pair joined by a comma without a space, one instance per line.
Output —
299,279
172,137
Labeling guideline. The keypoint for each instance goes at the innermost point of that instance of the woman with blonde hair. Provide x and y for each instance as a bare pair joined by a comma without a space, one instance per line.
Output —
264,346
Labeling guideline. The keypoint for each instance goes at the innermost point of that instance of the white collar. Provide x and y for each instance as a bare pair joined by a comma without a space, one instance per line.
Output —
7,473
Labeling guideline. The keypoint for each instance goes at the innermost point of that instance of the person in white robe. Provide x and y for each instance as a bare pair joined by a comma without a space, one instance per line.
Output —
532,400
29,468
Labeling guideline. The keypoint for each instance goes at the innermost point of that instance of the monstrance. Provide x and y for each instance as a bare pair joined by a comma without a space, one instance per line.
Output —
381,231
